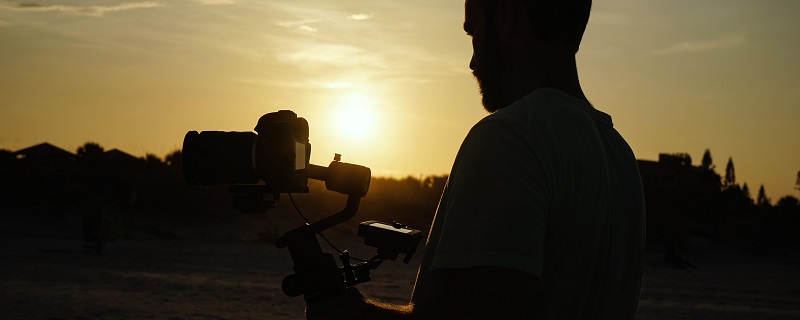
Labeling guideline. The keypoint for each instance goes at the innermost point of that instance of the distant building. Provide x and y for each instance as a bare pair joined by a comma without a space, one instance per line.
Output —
44,153
117,155
679,196
677,159
675,171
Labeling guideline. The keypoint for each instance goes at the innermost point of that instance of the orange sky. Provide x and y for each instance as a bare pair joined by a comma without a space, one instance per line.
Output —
677,76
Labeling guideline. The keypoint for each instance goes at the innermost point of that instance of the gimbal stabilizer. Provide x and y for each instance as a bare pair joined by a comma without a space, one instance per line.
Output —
317,275
276,160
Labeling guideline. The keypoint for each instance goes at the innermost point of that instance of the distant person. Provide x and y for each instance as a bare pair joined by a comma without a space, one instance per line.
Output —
543,215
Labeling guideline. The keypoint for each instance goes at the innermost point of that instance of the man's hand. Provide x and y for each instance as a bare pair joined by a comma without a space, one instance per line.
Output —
350,304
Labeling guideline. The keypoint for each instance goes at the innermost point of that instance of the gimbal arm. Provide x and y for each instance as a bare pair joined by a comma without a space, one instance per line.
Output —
350,179
317,276
348,212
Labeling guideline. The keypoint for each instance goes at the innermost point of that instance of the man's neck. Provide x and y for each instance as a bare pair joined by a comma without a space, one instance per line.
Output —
558,71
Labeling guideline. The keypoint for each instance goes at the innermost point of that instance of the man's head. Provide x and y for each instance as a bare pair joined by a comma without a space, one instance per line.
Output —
506,33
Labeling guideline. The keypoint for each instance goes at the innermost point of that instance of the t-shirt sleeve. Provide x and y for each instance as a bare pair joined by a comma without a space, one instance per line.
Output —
496,203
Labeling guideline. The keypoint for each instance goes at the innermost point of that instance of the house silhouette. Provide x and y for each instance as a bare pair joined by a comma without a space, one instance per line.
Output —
44,153
117,155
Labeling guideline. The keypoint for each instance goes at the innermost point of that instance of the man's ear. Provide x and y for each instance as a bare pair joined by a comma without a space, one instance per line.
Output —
507,19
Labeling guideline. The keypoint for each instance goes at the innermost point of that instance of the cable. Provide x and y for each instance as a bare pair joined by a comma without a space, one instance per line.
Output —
298,209
320,233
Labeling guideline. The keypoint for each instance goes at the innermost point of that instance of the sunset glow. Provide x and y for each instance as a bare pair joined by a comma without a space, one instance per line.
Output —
355,120
386,83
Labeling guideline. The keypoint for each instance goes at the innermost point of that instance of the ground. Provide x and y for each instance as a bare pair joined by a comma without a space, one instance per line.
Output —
47,271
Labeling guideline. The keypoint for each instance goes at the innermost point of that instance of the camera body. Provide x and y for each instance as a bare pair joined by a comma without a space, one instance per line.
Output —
278,155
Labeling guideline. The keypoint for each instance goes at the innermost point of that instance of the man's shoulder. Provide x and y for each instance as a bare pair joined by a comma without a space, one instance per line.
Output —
543,105
541,111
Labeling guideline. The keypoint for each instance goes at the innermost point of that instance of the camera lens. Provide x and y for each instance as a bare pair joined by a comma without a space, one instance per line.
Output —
217,157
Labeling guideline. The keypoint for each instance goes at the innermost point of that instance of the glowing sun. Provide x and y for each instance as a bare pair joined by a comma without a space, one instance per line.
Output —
355,118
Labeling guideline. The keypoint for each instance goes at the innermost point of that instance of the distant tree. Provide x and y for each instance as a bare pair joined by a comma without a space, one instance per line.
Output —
788,202
746,192
789,207
153,159
762,199
90,149
174,159
797,182
174,162
730,175
707,163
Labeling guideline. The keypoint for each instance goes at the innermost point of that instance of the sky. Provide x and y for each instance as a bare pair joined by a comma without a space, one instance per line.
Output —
386,83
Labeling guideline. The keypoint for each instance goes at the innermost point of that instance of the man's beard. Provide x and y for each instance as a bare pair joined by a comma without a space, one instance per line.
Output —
489,76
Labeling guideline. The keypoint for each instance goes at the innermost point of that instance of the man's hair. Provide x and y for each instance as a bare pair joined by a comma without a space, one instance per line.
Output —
560,22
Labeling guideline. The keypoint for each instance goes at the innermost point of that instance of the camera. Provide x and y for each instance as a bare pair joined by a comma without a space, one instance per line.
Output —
278,155
259,166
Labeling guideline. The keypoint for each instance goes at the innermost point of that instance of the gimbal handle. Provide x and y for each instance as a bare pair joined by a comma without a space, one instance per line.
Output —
316,274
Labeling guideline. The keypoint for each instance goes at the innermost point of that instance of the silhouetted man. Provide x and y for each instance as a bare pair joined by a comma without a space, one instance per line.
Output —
543,214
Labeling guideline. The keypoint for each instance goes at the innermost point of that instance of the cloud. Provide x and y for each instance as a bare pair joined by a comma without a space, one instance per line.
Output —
93,11
360,16
293,44
700,46
299,24
215,2
331,54
296,23
298,84
307,28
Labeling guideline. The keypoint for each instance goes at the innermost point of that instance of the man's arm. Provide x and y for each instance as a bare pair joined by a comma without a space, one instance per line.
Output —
472,293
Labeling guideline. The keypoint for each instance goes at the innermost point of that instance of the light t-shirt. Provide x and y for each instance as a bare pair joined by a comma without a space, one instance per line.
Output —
546,186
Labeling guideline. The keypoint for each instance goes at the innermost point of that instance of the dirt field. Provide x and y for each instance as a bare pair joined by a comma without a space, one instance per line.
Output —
48,272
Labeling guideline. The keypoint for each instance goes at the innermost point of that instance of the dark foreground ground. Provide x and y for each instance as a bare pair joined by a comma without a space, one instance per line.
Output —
48,272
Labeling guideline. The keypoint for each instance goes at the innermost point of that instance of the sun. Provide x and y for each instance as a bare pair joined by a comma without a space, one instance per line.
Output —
355,118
